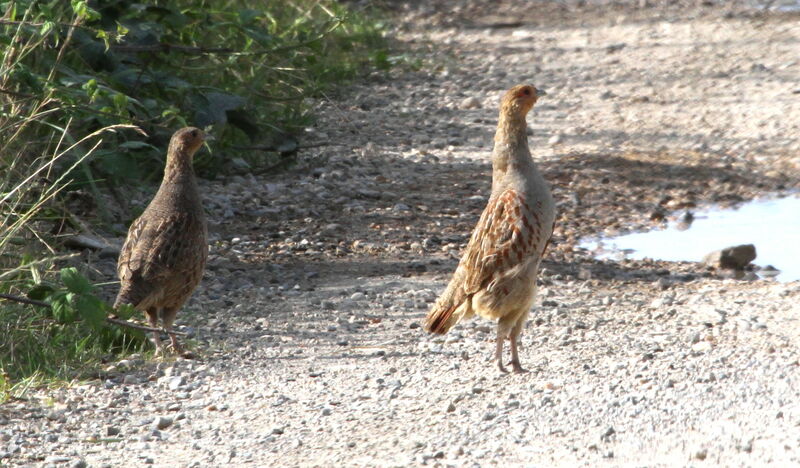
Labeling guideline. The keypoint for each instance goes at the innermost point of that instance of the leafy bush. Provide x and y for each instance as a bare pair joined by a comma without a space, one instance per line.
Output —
66,338
244,72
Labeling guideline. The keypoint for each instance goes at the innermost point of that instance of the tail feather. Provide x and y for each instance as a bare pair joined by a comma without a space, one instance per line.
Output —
123,298
440,320
447,310
130,295
137,291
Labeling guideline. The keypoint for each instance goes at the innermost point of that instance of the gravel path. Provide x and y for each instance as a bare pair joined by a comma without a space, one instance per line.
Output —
307,322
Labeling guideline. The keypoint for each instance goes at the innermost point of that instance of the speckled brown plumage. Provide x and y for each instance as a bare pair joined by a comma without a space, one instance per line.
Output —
496,277
164,255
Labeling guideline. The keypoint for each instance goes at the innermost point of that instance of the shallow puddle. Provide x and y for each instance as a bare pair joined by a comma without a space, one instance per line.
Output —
773,226
782,6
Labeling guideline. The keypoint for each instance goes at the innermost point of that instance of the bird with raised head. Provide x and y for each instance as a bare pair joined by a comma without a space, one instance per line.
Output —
164,255
496,277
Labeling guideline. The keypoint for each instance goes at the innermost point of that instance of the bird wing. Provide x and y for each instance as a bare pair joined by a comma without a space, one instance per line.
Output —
157,247
507,235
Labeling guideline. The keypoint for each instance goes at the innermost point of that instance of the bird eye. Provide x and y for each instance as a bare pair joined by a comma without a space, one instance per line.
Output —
194,133
527,92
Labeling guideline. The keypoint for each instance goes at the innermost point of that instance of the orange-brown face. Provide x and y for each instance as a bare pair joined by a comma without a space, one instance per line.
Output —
188,139
520,99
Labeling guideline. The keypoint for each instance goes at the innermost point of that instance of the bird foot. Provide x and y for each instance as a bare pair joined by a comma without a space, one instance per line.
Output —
502,367
517,368
177,349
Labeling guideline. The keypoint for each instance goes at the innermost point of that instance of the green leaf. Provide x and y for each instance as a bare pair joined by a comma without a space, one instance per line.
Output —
248,15
91,310
119,164
82,10
40,292
47,26
63,311
103,35
212,108
75,282
91,89
381,59
121,32
126,311
120,101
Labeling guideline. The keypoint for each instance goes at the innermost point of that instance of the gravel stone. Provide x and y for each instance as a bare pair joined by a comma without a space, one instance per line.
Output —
470,103
176,382
162,422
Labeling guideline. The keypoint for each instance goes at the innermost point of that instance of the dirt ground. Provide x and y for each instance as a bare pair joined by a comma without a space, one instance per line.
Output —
308,320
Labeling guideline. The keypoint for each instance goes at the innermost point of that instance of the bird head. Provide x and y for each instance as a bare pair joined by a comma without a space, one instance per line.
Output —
519,100
188,140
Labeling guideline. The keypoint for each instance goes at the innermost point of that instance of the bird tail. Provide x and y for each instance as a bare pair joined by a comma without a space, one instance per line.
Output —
440,320
127,295
446,312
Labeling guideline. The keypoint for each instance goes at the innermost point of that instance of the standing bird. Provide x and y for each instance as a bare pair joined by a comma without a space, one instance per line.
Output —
496,277
164,255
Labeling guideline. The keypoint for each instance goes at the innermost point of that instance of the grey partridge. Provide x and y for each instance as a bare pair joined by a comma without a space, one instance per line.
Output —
496,277
165,252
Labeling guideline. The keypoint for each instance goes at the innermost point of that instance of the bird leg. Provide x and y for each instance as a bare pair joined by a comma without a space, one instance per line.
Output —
168,317
152,318
498,352
514,337
515,365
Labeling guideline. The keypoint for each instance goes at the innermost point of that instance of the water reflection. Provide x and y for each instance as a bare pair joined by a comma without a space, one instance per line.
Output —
772,225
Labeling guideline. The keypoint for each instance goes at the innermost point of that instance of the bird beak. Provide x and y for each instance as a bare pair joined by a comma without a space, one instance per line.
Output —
540,92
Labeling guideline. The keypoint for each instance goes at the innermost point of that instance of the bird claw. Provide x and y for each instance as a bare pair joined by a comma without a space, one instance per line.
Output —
517,368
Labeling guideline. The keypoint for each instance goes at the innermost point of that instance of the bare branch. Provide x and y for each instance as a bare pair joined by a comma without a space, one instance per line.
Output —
125,323
115,321
24,300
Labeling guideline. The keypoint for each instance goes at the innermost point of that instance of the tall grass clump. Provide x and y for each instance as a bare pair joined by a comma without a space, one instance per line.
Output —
60,329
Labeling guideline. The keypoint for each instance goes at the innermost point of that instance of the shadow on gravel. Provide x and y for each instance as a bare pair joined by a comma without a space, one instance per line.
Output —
599,193
402,217
402,224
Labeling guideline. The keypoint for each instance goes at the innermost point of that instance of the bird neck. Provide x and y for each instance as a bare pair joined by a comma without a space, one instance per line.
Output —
510,145
178,167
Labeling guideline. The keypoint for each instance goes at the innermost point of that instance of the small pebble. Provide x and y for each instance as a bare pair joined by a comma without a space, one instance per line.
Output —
162,422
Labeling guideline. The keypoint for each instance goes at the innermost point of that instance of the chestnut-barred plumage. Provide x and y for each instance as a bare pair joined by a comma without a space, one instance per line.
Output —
496,277
164,255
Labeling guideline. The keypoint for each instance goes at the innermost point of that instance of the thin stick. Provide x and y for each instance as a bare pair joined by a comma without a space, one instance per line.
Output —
24,300
120,322
125,323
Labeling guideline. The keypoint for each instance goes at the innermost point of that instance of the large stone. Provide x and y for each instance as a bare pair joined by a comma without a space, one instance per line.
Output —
731,258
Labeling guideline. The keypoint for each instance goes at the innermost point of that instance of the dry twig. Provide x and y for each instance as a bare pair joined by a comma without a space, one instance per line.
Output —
115,321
